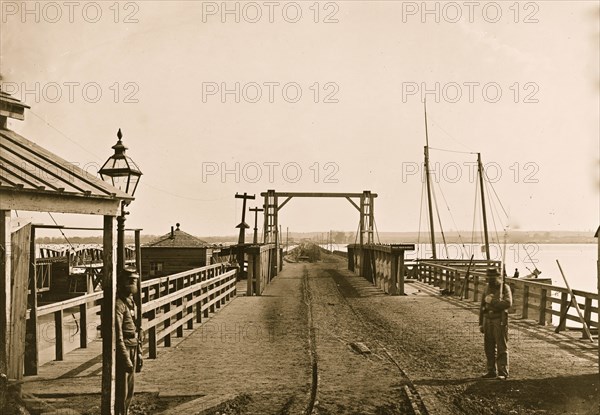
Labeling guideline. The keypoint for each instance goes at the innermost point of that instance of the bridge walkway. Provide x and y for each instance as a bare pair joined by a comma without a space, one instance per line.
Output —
323,339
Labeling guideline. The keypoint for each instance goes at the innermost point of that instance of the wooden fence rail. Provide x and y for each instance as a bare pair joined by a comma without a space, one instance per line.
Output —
168,303
532,299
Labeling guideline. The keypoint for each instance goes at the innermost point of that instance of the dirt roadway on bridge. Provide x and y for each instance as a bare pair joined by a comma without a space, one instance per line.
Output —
323,341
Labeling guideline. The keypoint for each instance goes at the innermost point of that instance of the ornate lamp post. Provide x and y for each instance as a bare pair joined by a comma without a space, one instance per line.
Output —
122,172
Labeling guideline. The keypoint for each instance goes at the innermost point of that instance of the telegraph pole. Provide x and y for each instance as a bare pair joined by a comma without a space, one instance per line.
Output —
243,225
255,210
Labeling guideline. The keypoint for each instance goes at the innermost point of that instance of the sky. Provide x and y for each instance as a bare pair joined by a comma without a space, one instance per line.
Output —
219,98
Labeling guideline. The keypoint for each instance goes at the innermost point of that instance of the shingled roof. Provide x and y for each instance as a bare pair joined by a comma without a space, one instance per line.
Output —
177,239
35,179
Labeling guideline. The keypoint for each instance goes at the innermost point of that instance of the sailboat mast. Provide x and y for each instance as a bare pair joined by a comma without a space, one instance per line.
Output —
427,175
485,228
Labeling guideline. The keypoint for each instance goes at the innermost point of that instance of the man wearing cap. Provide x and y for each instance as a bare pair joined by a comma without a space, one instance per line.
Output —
126,340
493,323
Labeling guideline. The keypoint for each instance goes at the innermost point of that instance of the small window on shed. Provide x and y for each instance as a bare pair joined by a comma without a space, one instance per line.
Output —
155,268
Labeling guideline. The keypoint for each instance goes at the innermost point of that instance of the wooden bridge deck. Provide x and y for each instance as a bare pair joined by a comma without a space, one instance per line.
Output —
260,348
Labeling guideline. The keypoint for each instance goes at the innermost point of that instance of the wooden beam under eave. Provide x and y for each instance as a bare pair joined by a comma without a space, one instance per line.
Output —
51,202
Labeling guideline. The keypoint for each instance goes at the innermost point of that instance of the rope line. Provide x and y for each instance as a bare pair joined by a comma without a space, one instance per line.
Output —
420,217
452,151
452,217
437,211
62,233
143,184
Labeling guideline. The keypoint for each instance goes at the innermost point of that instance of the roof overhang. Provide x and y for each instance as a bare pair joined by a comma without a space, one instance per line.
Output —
38,201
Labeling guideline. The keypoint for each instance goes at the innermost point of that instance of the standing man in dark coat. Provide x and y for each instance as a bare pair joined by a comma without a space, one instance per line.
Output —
126,340
493,323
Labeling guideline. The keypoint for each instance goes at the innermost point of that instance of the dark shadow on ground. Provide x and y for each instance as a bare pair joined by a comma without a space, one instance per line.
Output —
561,395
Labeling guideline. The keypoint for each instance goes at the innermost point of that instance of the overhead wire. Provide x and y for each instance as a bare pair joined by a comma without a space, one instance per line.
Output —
143,184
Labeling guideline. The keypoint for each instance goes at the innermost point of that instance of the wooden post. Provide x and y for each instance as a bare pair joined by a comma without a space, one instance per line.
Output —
5,253
199,311
587,317
58,337
83,326
31,343
564,304
394,273
543,304
179,304
188,311
167,338
109,287
401,271
254,255
251,273
138,267
152,335
525,311
19,271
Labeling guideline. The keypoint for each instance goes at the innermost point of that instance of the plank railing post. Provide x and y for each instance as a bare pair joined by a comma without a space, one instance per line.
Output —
152,334
83,332
179,316
204,301
393,261
233,281
58,331
211,297
255,253
222,291
543,305
525,307
564,303
167,323
188,311
475,288
199,310
587,316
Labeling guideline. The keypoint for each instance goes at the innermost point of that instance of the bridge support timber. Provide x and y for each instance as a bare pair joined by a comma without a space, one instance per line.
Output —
382,265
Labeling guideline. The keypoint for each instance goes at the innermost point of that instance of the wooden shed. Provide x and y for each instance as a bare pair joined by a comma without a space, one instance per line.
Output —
174,252
37,180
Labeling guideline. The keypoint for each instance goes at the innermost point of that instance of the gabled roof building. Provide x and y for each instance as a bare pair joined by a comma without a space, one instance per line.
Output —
174,252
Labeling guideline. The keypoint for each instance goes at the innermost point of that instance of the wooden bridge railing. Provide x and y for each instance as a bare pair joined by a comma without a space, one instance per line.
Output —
531,299
171,302
383,265
167,304
262,267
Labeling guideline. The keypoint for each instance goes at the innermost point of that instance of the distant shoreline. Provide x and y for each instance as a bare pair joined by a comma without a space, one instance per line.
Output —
347,237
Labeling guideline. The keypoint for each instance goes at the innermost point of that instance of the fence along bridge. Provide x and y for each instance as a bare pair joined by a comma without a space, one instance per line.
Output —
186,300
